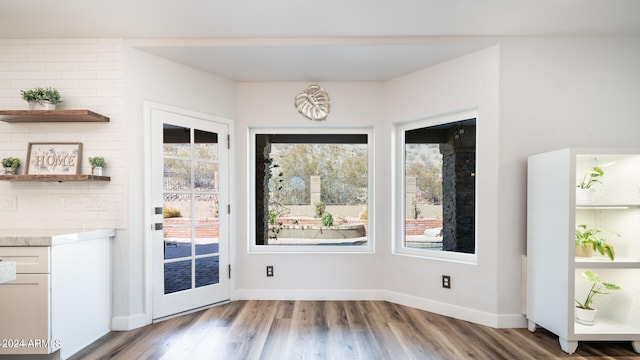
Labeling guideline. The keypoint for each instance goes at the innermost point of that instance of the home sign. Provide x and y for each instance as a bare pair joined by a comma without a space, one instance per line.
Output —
54,158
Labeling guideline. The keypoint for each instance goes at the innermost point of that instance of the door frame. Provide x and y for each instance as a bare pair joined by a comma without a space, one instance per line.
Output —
148,106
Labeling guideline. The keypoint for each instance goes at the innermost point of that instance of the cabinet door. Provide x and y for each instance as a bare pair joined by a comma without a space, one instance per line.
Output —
25,326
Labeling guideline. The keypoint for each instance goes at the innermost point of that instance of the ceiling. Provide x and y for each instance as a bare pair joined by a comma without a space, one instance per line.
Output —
303,40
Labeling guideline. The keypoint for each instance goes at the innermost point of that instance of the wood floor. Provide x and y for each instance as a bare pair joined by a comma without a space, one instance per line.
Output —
283,330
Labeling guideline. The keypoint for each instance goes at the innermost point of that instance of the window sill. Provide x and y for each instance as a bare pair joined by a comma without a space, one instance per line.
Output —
440,255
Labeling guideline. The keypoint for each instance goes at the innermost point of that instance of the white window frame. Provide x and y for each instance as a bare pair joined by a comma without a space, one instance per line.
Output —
399,186
251,170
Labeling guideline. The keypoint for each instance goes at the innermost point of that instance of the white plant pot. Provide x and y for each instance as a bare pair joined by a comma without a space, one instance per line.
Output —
585,316
97,171
41,105
9,171
584,196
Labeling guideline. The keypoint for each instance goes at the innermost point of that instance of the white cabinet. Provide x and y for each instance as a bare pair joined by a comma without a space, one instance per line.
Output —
61,297
25,303
554,274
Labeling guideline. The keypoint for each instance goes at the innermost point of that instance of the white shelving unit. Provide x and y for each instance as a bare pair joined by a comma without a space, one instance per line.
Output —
554,274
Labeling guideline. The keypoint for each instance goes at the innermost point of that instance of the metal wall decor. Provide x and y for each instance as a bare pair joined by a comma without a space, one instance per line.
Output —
313,103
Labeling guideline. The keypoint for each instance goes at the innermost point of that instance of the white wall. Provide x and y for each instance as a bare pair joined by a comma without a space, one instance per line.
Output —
158,80
468,82
305,276
557,93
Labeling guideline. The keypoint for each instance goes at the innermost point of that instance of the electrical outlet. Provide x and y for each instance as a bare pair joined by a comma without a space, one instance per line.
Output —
446,281
8,203
269,270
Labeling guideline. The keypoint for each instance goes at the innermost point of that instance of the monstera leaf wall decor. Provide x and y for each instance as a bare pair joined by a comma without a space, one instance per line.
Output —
313,103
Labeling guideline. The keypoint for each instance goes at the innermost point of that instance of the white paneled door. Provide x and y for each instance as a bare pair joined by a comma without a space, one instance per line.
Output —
189,208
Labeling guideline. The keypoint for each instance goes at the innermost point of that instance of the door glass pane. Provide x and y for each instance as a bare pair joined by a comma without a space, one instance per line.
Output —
177,205
177,276
177,225
176,141
206,145
207,271
206,176
177,242
191,207
207,224
177,174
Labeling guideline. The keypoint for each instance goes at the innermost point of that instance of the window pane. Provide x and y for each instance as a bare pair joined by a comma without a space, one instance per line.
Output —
439,180
312,189
423,196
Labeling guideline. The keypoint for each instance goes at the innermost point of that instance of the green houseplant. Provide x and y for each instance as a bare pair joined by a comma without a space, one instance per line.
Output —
11,165
97,164
591,177
585,312
584,189
588,239
41,98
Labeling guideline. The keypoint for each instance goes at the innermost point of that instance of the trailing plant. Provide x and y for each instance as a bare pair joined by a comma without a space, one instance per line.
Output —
41,94
590,178
97,161
588,237
596,289
327,219
272,217
11,162
275,179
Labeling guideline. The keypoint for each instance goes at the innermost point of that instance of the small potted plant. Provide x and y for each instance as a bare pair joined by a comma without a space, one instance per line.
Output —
588,241
41,98
585,312
11,165
585,189
97,164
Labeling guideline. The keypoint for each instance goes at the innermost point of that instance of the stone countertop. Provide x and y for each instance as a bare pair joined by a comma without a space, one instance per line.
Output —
7,271
41,237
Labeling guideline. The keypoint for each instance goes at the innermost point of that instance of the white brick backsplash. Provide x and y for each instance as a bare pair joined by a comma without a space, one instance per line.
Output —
80,74
89,73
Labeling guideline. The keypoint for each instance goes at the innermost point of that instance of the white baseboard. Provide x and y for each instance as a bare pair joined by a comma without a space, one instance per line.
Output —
454,311
287,294
458,312
123,323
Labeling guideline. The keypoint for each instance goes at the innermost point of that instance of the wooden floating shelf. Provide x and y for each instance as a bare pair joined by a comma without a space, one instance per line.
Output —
54,178
43,116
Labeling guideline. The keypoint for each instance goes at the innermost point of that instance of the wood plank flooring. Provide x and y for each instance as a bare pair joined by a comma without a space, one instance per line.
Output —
282,330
